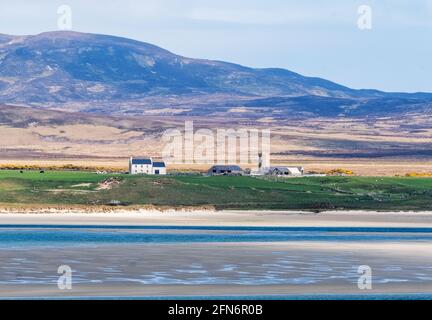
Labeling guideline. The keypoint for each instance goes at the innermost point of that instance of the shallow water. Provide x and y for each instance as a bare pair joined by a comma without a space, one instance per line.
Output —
208,256
15,236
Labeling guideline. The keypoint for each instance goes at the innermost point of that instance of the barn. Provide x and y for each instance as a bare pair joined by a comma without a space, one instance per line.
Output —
225,170
285,171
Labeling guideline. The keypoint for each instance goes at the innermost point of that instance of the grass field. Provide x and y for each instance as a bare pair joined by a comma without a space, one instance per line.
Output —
81,188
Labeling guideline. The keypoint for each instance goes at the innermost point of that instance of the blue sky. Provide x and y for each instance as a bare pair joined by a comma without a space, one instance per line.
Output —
314,38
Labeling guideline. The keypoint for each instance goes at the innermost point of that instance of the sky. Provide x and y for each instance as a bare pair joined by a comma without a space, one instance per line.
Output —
391,50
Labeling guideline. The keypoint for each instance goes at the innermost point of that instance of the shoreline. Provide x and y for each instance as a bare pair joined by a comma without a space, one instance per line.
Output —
226,218
194,291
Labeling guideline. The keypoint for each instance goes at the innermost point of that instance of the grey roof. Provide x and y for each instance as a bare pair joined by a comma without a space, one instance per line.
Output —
284,168
279,168
141,161
226,168
159,164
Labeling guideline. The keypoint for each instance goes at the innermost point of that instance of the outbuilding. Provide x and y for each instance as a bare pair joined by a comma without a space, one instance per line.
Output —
285,171
226,170
159,168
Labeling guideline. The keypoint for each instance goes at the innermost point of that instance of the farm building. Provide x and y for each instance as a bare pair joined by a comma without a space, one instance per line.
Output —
220,170
159,168
285,171
146,166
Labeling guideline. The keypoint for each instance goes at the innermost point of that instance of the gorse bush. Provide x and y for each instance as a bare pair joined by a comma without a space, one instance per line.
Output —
419,174
340,171
65,167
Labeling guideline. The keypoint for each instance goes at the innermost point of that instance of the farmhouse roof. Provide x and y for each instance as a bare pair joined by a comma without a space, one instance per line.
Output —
159,164
141,161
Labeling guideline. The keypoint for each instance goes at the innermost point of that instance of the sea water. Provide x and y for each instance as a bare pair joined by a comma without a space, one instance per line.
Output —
208,256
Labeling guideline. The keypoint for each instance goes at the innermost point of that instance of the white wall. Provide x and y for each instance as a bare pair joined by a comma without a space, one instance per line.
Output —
146,169
141,169
162,171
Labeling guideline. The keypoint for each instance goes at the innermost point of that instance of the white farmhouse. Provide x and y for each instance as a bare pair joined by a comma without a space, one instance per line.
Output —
146,166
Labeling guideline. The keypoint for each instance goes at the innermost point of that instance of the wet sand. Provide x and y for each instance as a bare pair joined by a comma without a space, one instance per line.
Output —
217,269
223,218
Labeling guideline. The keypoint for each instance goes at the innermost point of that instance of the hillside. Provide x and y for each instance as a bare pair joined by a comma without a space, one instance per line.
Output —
99,74
76,66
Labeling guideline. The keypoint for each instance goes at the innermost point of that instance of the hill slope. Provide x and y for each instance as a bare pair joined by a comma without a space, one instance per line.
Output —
60,66
57,68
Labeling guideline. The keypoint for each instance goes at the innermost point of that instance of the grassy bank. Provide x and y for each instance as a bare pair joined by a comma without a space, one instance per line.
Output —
83,188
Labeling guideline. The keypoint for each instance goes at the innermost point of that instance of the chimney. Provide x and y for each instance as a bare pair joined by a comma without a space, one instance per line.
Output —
260,161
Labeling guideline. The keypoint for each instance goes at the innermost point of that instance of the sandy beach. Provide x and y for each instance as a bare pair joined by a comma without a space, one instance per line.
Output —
220,218
187,269
218,269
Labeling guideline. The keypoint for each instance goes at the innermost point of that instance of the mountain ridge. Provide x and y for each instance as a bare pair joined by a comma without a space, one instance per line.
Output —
67,67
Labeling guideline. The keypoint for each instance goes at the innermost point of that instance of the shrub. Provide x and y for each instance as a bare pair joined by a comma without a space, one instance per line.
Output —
340,172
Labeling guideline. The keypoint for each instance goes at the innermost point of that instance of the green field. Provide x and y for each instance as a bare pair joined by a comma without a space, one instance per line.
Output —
318,193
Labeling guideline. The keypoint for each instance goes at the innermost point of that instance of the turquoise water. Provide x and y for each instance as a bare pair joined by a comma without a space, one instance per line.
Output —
31,235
